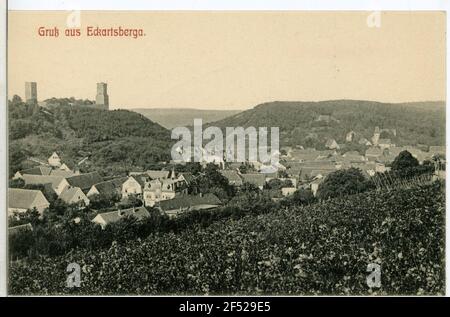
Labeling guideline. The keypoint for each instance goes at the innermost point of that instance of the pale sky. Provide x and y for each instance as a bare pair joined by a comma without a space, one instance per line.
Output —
232,60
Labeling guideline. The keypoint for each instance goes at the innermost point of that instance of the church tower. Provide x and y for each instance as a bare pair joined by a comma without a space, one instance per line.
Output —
102,99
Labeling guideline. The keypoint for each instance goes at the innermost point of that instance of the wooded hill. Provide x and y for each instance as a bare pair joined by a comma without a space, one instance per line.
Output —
114,141
310,124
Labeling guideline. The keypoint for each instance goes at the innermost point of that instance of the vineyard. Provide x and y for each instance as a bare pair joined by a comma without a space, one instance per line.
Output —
323,248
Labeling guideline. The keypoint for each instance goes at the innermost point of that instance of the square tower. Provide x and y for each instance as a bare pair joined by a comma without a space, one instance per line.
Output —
102,99
31,92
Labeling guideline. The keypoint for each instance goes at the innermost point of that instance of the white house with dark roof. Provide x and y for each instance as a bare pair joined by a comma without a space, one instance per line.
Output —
20,200
54,160
134,185
158,190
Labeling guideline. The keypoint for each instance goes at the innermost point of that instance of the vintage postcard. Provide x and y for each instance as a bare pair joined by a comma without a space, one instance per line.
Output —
226,153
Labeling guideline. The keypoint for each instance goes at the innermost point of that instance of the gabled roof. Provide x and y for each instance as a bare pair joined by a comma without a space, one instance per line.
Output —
38,170
188,177
84,181
154,174
24,198
186,201
62,173
42,180
232,176
141,179
257,179
54,155
114,216
69,193
111,186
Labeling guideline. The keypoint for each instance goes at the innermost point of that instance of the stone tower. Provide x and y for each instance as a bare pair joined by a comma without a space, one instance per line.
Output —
31,92
102,99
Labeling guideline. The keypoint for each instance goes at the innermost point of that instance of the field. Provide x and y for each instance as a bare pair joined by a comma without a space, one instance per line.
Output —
323,248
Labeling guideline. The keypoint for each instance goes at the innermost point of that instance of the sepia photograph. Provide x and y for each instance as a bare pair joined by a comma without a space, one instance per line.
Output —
226,153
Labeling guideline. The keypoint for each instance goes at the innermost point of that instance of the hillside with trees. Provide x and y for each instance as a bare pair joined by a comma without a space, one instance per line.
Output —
112,141
310,123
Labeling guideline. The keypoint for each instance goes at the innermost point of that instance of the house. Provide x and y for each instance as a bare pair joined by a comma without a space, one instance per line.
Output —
106,218
74,195
331,144
158,190
58,183
108,188
232,176
287,191
54,160
183,203
257,179
134,185
20,200
20,228
84,181
38,170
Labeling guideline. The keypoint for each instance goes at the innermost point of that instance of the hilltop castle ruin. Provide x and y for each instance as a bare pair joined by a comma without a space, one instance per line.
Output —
101,99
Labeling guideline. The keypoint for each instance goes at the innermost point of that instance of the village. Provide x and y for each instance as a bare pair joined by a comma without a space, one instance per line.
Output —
167,190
